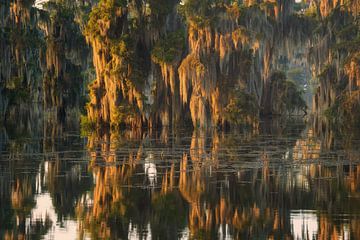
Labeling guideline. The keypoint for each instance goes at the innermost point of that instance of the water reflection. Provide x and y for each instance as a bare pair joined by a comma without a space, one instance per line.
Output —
282,182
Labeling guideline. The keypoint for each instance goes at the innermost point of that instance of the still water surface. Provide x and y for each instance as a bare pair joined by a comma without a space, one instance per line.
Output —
293,181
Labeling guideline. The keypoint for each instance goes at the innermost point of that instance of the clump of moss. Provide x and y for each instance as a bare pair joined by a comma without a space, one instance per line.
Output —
168,49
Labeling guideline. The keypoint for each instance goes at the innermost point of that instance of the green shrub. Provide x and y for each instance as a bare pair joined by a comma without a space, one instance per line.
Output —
242,108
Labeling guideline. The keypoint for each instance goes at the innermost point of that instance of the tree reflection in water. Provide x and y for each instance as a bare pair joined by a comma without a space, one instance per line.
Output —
285,182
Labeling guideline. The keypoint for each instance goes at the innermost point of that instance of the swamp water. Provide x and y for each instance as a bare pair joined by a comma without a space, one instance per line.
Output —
285,181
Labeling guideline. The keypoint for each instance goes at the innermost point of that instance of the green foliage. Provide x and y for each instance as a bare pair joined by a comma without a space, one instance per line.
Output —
168,49
200,13
105,12
122,47
123,114
242,108
87,126
285,95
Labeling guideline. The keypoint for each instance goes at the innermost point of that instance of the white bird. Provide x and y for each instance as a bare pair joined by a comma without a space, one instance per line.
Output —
150,169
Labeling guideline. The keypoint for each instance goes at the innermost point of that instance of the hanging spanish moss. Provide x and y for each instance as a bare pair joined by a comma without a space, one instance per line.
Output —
229,50
44,56
169,63
20,48
66,58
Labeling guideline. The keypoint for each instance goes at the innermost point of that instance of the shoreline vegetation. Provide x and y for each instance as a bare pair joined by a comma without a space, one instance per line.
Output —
201,63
